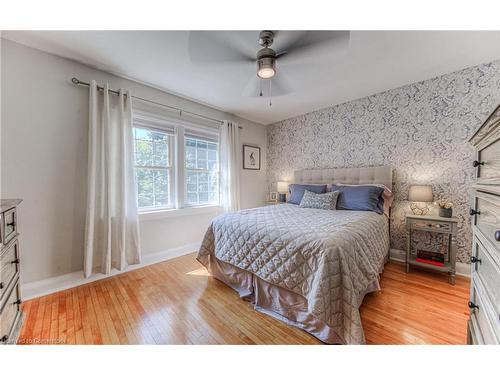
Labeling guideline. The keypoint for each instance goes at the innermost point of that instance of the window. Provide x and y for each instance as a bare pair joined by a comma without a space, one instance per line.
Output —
176,163
153,168
202,171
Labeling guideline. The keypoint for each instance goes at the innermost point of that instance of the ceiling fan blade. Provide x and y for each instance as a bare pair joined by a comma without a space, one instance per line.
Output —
253,87
214,47
276,86
313,45
281,86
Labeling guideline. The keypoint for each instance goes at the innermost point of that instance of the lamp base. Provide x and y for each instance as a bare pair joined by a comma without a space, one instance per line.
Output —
419,209
282,197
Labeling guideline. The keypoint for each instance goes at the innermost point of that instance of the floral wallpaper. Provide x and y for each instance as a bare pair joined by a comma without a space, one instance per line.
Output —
420,129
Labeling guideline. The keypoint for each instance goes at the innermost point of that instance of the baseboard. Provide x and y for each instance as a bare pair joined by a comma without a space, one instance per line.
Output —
71,280
397,255
462,269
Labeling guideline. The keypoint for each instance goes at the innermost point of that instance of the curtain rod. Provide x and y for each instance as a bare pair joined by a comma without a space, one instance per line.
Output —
76,81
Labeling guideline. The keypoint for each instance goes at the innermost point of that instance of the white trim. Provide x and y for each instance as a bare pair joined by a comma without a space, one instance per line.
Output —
71,280
462,269
176,212
397,255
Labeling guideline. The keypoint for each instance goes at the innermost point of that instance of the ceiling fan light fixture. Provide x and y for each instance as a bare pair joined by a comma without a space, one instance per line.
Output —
266,67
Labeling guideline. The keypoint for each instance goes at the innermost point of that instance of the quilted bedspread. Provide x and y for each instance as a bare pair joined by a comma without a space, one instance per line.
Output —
331,258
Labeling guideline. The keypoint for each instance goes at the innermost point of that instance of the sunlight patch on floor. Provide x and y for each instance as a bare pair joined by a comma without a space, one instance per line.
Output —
199,272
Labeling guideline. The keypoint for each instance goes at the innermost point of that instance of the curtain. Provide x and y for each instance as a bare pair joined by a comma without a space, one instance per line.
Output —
112,227
229,166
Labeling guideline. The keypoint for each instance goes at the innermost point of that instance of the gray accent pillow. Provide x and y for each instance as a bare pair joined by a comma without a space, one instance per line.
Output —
325,201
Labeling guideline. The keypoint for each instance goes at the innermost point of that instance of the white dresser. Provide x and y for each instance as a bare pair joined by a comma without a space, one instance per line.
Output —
484,323
10,297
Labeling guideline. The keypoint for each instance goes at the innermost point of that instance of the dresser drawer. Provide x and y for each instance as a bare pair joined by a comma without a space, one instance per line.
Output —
485,326
486,268
9,266
9,225
9,315
489,172
486,219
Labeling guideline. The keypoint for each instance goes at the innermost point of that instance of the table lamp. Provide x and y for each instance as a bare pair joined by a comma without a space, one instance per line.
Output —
282,188
419,195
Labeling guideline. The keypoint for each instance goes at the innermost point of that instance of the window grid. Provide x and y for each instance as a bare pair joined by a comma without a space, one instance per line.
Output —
153,168
202,171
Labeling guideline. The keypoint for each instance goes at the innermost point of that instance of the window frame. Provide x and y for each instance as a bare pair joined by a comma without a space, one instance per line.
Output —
186,170
171,169
176,130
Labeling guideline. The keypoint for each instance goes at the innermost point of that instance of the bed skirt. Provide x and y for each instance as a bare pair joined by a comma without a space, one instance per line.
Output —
275,301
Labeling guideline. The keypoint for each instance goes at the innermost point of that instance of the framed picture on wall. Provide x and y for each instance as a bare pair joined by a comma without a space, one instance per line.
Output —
251,157
273,196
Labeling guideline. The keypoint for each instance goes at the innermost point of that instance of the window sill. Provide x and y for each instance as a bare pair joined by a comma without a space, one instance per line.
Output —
178,212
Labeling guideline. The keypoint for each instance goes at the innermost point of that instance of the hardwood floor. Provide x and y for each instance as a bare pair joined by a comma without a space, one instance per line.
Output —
176,302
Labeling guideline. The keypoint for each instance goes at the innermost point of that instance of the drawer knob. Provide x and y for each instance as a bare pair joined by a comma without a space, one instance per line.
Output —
15,261
472,305
4,338
18,302
474,259
473,212
476,163
497,235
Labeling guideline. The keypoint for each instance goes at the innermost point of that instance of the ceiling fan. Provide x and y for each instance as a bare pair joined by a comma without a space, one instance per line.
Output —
281,55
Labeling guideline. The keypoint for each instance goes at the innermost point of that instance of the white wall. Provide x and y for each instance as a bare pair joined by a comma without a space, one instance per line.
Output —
44,160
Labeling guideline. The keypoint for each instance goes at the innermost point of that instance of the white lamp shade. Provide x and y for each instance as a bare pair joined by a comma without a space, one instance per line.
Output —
420,193
282,187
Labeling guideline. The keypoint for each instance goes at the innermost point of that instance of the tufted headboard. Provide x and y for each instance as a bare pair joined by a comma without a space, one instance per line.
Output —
352,176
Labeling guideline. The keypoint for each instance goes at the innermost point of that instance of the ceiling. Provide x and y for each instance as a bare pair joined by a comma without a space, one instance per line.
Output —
374,61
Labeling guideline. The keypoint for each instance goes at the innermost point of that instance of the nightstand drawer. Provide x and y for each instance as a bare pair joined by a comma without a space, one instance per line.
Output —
485,268
432,226
481,315
486,217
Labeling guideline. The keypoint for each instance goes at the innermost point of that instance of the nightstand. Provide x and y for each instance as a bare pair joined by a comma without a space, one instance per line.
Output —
434,224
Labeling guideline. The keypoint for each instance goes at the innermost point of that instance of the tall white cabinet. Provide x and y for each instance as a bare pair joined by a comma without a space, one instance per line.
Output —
484,323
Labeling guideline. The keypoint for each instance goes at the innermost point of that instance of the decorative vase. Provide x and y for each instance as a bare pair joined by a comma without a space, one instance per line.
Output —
445,212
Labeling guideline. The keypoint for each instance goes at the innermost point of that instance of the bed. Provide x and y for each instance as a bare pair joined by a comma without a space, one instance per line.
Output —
309,268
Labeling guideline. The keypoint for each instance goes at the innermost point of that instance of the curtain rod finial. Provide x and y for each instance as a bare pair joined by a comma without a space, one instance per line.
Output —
76,81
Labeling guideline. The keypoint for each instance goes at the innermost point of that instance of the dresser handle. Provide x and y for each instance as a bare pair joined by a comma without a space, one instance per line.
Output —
472,305
4,338
476,163
15,261
474,259
474,212
18,302
497,235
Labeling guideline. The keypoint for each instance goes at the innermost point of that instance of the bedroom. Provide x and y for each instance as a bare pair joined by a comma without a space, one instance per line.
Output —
309,184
